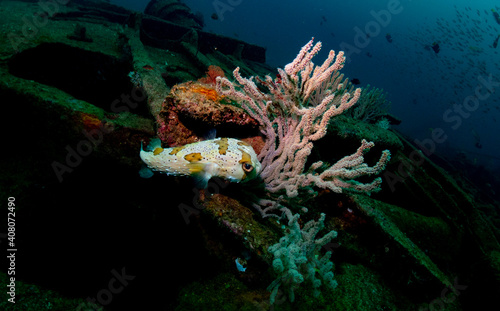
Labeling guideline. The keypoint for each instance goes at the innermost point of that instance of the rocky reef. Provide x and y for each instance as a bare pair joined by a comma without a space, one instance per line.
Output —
85,83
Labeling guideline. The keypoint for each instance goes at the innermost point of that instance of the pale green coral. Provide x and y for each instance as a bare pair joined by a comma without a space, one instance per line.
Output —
297,258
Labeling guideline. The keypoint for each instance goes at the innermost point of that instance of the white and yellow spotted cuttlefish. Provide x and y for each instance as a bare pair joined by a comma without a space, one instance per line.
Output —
228,158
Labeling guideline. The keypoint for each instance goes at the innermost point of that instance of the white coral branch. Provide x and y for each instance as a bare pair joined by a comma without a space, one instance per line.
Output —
295,113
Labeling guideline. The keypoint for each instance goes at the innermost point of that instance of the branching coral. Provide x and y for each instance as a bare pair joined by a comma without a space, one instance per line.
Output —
297,257
212,74
293,113
372,106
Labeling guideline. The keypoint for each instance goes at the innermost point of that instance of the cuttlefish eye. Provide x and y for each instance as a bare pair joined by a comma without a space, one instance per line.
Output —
247,167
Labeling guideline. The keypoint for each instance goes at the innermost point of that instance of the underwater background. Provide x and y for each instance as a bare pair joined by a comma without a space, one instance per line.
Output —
412,224
424,84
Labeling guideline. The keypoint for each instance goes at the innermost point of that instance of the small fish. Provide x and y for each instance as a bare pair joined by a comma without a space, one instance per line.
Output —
148,67
388,37
241,266
228,158
496,16
355,81
495,43
435,47
214,16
